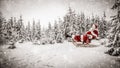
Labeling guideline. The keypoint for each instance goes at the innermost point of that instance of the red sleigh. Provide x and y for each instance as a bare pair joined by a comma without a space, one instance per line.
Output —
86,38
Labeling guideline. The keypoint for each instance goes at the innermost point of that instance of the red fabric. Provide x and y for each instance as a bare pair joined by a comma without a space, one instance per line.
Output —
95,32
95,26
89,33
85,38
77,38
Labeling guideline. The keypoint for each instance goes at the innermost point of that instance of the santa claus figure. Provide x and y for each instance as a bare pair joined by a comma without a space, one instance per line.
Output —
88,36
93,32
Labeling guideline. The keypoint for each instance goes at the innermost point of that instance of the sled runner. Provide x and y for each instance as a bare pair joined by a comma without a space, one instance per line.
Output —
81,44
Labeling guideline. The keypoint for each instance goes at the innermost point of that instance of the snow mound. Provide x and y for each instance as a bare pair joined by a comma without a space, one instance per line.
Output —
65,55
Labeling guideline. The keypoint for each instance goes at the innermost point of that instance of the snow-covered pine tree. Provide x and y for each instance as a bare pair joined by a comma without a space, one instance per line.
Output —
55,29
59,31
28,28
103,26
114,36
78,24
38,30
115,30
49,30
49,26
48,34
88,25
69,22
1,34
23,32
43,39
0,24
33,30
4,30
59,38
9,32
10,29
16,29
20,25
61,28
92,19
13,29
83,24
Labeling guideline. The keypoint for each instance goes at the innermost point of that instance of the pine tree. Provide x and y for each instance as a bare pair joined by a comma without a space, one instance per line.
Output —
61,27
59,38
103,26
69,22
114,36
49,26
115,31
10,29
33,30
48,35
20,27
88,25
1,22
58,31
38,30
28,28
83,24
93,19
48,30
55,30
78,21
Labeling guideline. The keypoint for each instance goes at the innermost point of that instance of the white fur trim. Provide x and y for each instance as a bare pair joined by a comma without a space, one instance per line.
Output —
93,27
96,29
82,38
90,36
93,34
73,36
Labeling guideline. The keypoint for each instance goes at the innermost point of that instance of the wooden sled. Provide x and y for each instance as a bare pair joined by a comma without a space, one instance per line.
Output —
77,44
80,44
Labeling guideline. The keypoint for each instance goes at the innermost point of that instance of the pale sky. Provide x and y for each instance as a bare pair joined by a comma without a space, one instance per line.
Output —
50,10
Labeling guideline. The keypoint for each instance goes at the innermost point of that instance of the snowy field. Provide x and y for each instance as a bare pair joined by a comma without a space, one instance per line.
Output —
66,55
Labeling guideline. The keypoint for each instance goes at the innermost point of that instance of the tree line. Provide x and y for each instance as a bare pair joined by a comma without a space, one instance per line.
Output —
14,29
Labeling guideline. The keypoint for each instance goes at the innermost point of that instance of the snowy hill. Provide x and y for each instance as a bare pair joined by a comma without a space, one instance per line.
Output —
66,55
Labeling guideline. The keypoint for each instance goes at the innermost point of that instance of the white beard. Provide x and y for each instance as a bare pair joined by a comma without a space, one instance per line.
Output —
91,29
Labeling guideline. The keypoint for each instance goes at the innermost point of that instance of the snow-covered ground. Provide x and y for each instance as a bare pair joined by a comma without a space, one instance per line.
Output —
66,55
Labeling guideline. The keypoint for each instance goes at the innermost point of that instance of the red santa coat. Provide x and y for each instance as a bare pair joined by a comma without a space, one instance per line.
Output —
93,34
